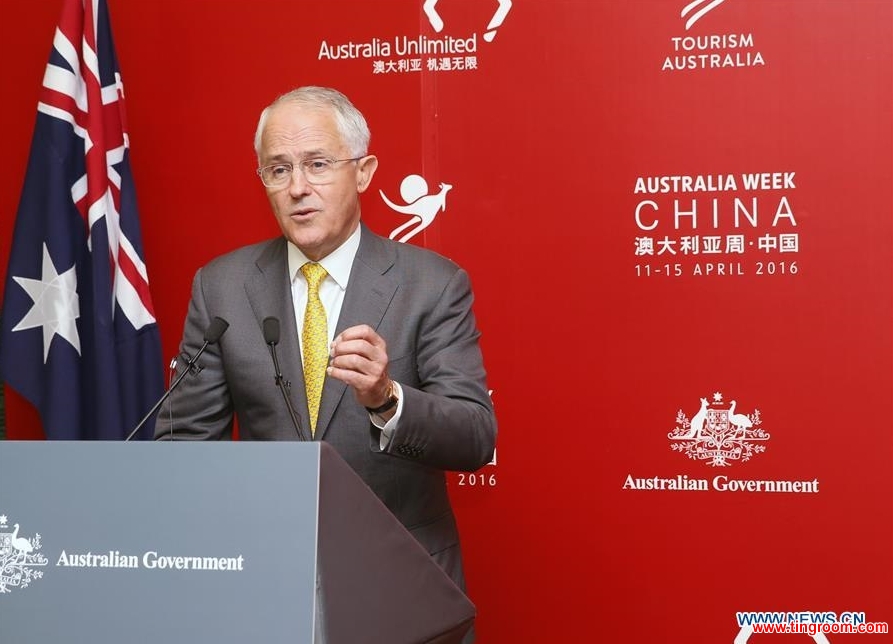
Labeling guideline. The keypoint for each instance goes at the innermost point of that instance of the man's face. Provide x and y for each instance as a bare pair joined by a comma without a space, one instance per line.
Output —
315,218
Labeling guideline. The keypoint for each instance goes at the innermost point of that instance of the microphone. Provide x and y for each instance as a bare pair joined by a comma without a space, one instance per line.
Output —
271,337
216,329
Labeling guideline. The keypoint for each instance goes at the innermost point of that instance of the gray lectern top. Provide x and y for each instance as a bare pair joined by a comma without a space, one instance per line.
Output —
150,542
230,542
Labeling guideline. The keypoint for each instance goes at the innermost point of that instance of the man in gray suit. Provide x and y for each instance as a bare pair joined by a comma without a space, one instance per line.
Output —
402,393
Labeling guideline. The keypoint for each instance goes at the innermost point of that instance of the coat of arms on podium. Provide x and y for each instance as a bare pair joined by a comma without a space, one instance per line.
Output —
20,559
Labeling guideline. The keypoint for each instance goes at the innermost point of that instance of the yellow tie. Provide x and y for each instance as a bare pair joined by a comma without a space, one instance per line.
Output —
314,339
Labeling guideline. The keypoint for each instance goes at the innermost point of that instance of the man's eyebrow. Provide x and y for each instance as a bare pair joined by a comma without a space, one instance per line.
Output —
314,154
304,156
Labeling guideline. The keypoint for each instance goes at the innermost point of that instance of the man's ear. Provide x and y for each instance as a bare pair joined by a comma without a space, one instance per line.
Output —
366,167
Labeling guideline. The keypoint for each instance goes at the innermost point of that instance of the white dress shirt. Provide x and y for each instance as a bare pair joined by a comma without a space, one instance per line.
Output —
331,293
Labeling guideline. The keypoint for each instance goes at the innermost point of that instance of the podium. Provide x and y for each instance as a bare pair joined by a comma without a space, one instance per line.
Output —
228,542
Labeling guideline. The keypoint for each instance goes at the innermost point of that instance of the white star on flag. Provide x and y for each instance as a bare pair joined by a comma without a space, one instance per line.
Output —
55,307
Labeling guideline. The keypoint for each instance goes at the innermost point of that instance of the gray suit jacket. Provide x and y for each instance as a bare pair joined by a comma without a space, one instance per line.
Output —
420,303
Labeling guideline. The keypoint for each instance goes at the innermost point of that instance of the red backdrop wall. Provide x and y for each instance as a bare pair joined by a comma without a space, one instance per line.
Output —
602,331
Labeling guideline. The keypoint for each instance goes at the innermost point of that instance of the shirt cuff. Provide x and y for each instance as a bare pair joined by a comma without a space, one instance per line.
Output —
388,428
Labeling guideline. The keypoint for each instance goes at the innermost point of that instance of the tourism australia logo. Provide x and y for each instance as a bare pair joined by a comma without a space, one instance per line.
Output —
719,434
694,11
706,47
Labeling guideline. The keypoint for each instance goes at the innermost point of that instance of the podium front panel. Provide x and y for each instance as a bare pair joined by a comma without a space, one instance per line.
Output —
158,542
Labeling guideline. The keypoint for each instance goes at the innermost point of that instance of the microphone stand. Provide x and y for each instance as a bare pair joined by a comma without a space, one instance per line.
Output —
216,329
271,337
189,367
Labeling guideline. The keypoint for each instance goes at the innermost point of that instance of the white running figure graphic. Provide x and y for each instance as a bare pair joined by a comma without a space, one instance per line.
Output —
421,206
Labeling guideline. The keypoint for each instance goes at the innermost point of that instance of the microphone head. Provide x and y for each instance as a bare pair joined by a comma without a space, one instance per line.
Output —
216,329
271,330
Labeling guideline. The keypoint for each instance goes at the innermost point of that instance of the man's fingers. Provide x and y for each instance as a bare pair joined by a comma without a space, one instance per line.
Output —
354,347
360,332
359,358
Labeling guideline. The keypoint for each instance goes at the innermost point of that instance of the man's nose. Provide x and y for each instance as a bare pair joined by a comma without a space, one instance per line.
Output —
297,183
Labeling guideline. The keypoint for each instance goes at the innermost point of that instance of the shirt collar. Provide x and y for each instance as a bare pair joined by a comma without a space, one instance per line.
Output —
337,263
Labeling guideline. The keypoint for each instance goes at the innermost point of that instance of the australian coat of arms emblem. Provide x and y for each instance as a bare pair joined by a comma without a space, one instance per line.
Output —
719,433
20,559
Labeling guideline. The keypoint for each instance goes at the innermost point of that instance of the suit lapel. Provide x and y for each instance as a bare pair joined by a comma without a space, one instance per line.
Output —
369,293
269,294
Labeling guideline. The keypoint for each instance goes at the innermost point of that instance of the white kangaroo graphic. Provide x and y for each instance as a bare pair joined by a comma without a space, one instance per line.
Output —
697,422
422,207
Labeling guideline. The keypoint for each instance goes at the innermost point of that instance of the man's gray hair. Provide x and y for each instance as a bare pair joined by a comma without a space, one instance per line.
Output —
350,121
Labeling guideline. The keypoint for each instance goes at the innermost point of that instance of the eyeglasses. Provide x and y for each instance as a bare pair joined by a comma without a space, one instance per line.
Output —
316,171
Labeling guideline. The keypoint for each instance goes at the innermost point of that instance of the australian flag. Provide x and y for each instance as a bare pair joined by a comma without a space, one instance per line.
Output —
79,337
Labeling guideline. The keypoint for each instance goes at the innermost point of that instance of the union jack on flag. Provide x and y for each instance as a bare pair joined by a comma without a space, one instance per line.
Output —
79,338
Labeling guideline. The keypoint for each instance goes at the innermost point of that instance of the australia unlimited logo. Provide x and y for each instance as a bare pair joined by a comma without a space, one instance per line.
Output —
407,54
20,561
501,12
719,433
